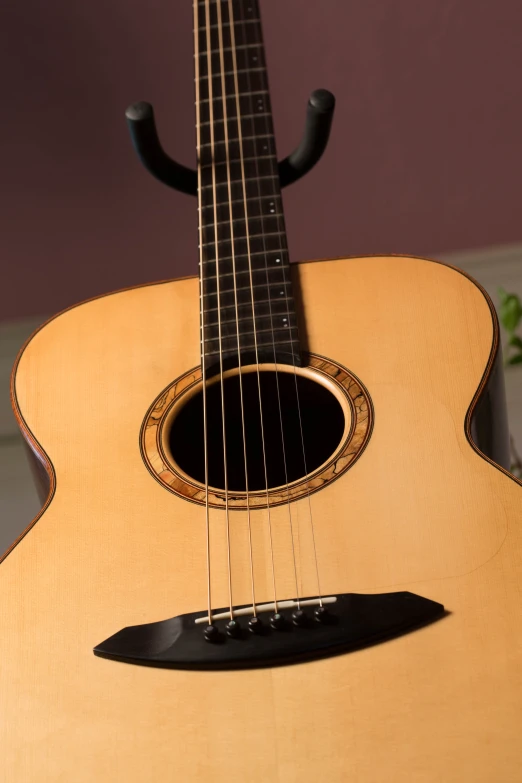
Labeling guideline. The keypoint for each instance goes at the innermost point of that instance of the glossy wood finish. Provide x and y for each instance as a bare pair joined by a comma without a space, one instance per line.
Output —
421,510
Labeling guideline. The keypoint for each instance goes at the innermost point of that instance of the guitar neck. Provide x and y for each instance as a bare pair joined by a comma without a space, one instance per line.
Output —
248,311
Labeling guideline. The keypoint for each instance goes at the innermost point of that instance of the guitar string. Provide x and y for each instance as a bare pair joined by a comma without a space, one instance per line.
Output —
252,113
225,127
201,299
280,225
247,229
214,195
256,347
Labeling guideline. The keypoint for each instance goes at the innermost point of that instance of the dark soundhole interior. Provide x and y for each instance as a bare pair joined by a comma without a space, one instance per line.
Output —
322,427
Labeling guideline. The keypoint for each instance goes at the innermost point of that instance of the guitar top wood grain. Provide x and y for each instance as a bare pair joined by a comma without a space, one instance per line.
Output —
421,510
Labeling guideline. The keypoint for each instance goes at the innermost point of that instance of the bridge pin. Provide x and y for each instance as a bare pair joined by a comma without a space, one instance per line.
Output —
299,617
277,621
233,629
211,633
255,625
321,614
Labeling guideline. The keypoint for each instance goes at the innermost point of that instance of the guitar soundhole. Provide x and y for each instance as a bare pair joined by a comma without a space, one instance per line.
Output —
336,415
296,411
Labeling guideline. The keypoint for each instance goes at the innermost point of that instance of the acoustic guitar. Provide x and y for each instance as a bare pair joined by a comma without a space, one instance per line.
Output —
279,539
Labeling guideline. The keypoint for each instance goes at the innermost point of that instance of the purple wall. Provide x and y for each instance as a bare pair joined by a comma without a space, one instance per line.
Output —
425,154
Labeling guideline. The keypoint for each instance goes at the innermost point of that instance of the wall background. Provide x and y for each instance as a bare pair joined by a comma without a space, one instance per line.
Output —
425,155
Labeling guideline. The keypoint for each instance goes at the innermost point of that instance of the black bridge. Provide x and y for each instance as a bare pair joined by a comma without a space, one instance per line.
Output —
348,622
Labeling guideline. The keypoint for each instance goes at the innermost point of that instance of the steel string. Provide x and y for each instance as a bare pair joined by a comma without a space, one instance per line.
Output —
240,139
214,195
274,350
203,368
281,224
225,125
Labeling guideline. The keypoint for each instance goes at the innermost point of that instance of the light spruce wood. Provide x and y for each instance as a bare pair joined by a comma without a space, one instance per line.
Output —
421,510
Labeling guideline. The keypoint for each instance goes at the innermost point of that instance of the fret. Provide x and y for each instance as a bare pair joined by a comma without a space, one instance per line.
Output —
255,158
231,107
241,117
245,255
240,246
250,80
236,273
249,188
283,316
240,252
249,145
254,208
247,149
228,339
252,347
224,3
256,302
227,298
236,162
241,227
260,218
248,236
234,219
278,309
226,264
275,321
224,293
267,340
240,78
276,305
246,334
232,73
240,60
243,287
227,274
266,323
221,172
227,24
229,97
250,69
255,45
240,181
216,167
243,138
260,277
235,127
243,249
268,268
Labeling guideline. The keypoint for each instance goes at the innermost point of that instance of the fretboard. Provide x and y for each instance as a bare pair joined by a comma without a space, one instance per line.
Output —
247,306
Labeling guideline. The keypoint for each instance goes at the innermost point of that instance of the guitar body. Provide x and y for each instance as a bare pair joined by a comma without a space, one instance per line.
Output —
421,510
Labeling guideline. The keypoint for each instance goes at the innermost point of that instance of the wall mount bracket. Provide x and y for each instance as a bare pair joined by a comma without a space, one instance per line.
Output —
144,136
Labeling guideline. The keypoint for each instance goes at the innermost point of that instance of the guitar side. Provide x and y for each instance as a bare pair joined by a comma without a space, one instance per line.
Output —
422,510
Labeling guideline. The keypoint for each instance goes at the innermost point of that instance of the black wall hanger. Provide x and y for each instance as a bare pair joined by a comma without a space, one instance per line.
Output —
142,128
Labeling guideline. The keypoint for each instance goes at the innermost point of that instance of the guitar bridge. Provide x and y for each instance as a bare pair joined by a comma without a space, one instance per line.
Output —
339,624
